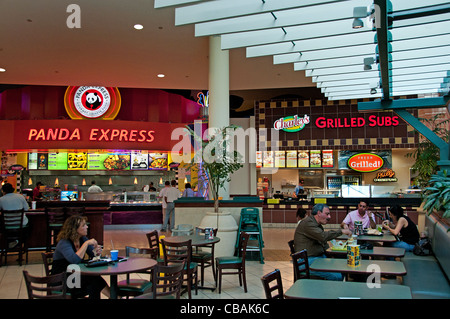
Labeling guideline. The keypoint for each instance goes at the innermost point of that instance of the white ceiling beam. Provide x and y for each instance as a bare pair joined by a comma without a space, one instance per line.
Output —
286,18
224,9
171,3
421,31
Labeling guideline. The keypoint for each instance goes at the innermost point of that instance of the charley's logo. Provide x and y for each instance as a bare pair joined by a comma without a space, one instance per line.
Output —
365,162
92,102
291,123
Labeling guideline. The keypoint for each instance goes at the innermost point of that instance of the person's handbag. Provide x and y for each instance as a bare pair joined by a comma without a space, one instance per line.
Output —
423,247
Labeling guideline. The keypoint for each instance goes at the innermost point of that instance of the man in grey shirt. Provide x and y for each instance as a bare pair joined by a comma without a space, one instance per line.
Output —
13,201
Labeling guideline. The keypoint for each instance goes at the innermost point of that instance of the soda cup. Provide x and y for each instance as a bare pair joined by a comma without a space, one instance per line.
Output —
353,255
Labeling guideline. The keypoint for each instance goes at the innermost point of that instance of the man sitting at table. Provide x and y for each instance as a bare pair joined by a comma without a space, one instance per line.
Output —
311,236
360,214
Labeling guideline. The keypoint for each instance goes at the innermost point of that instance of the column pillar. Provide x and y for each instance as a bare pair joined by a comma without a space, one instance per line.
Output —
219,91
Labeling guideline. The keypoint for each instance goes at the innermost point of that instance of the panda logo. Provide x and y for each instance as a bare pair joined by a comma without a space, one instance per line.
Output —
93,100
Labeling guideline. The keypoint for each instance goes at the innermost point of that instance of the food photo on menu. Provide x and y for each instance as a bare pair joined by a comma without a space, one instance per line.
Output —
158,161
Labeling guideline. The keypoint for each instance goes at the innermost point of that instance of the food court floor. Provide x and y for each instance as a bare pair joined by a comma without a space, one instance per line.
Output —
276,253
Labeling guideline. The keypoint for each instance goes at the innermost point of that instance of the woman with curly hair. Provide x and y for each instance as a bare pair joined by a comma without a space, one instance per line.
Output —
72,246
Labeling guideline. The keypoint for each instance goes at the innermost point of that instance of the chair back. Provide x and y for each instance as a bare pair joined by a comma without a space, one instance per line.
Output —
177,252
272,283
12,220
250,217
242,248
47,259
55,215
301,265
167,280
291,246
47,287
153,242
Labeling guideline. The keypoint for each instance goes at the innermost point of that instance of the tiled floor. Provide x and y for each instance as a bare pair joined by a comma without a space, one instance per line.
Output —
275,239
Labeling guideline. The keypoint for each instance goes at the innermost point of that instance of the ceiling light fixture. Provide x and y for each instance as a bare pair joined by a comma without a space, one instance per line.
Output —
138,26
2,70
160,75
358,13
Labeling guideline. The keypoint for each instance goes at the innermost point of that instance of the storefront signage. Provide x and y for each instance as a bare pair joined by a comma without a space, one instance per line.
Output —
365,162
373,120
291,123
385,176
92,102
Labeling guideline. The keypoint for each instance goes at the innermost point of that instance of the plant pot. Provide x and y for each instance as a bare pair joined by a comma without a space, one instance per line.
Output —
227,232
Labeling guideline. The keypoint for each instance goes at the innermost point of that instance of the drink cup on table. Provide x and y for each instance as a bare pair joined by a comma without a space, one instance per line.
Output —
114,255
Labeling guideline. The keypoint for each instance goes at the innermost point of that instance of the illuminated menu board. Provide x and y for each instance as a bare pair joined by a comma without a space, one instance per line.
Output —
268,159
37,161
158,161
77,161
303,158
291,158
259,160
139,161
316,160
327,158
57,161
109,161
280,159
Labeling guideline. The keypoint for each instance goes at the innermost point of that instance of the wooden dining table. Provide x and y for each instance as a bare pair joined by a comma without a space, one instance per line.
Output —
196,241
377,251
113,269
366,267
328,289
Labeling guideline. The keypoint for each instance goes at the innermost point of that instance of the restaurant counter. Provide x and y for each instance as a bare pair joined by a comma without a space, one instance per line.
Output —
284,212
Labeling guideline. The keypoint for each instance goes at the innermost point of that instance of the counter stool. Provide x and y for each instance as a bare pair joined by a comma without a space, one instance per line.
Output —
55,217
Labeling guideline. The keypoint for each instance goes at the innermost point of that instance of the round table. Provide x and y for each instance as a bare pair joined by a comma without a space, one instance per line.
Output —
114,269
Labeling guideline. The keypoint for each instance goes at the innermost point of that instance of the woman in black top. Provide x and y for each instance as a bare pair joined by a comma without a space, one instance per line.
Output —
403,227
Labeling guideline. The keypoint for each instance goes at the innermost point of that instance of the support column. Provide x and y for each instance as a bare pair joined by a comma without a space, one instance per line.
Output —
219,91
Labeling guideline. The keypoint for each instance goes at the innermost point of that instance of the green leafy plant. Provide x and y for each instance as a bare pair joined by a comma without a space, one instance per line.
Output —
214,162
437,195
427,154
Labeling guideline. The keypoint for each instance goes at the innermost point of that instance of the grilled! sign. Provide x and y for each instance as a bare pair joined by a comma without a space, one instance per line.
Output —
365,162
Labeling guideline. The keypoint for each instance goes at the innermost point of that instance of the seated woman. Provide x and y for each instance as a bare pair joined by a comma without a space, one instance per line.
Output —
71,249
403,227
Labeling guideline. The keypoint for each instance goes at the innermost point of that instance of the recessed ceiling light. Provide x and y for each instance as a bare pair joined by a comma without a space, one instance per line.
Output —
138,26
160,75
2,70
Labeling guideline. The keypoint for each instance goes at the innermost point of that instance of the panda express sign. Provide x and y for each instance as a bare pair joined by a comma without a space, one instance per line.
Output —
88,134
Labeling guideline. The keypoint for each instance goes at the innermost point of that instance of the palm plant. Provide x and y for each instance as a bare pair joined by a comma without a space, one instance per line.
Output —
437,195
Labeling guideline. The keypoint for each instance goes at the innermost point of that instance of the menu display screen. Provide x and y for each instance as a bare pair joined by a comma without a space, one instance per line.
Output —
57,161
37,161
280,159
291,158
139,161
77,161
327,158
268,159
316,160
259,160
303,158
158,161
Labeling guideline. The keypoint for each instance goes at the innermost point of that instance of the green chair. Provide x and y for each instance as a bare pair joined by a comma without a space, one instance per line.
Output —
250,223
234,263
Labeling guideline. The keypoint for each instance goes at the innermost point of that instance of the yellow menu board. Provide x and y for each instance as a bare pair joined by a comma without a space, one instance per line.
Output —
77,161
268,159
291,158
303,158
280,159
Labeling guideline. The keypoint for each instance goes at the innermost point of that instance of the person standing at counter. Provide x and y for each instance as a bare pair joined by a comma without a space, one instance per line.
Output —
149,188
94,188
188,191
360,214
311,236
72,246
403,227
299,189
169,194
37,195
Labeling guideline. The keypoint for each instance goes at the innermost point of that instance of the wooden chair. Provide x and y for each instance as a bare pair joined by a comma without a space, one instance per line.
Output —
153,243
47,287
47,259
291,246
177,253
12,229
205,255
55,217
167,281
234,262
135,286
300,264
268,279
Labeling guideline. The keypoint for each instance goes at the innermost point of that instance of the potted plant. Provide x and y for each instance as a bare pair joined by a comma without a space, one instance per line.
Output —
215,161
437,195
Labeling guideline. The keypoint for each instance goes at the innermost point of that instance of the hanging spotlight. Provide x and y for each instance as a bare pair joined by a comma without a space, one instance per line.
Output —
358,14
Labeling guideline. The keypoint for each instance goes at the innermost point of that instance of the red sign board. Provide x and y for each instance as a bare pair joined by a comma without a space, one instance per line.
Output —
87,134
365,162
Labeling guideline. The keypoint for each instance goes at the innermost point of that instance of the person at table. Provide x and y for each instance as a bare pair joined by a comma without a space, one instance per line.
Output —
13,201
311,236
300,215
94,188
72,247
188,191
403,227
361,214
37,195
